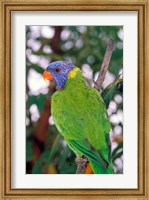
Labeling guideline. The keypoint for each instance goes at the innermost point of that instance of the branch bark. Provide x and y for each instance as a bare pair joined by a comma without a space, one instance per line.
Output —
82,162
104,67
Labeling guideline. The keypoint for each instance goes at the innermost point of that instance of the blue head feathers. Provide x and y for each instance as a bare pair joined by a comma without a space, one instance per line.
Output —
59,71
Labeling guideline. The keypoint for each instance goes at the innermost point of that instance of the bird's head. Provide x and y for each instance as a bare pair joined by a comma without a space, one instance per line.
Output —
58,72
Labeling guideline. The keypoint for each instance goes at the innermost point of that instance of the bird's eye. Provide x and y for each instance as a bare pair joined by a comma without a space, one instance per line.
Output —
57,69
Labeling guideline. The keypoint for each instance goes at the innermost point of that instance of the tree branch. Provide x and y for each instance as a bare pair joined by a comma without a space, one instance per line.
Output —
104,67
82,162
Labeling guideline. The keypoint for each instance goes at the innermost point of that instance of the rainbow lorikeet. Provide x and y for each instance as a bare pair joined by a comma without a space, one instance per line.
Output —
80,115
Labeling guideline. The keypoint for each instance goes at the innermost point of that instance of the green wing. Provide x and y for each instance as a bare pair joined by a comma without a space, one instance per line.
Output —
101,125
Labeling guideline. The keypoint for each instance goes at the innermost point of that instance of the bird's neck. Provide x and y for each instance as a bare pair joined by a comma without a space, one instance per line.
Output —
73,73
75,78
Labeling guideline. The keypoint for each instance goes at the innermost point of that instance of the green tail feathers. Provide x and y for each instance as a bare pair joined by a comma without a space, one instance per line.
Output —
98,169
82,147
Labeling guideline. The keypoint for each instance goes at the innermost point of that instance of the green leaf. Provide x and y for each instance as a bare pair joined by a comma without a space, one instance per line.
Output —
110,91
38,167
53,56
54,148
38,69
29,151
118,155
38,100
46,157
69,169
63,157
29,132
117,149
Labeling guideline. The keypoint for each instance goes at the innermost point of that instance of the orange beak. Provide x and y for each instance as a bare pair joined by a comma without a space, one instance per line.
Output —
47,76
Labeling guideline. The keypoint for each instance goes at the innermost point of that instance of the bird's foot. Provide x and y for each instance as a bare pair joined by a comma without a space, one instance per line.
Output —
81,163
81,160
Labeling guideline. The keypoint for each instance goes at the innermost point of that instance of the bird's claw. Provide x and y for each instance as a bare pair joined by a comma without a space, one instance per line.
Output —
79,160
81,163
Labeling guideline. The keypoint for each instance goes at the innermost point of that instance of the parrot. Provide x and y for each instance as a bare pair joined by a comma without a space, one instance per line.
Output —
80,115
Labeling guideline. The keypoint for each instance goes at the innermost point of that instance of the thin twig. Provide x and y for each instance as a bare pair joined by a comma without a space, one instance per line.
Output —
81,162
104,67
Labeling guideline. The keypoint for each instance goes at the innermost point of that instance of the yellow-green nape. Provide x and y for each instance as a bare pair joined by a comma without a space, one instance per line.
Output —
73,72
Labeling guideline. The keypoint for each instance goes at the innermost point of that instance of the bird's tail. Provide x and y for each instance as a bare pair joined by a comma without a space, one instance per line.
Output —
94,168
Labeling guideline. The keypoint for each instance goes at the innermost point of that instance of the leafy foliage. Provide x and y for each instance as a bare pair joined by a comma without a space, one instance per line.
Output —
110,91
